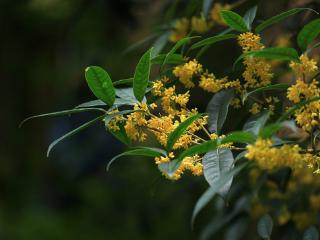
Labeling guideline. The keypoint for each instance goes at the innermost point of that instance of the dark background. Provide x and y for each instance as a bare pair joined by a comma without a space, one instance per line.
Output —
45,46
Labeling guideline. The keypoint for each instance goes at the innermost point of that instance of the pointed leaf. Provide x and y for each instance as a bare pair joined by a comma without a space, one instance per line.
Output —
121,134
311,234
215,164
250,16
141,75
73,132
181,129
100,84
234,20
206,6
308,34
278,18
279,86
265,226
211,40
140,151
256,122
127,81
217,109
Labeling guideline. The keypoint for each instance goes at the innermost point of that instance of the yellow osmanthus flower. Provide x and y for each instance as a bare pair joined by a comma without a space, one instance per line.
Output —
302,90
135,121
161,127
255,108
210,83
180,30
165,159
113,124
200,24
192,164
215,12
258,71
186,71
305,68
283,40
272,158
313,162
284,216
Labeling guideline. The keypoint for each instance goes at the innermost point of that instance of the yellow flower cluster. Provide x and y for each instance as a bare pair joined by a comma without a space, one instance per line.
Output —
186,72
180,30
258,71
215,12
272,158
200,25
210,83
192,164
305,68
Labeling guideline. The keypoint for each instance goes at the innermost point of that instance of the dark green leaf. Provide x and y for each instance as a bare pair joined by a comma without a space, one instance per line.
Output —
121,134
127,81
311,234
270,130
92,103
172,59
212,191
73,132
234,20
62,113
211,40
279,86
288,54
181,129
265,226
215,164
278,18
141,151
308,34
250,16
256,122
217,109
100,84
141,42
141,75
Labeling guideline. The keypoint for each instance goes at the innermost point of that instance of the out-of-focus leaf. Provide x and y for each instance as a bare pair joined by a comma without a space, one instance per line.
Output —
234,20
127,81
250,16
265,225
308,33
92,103
217,109
311,234
140,151
269,130
279,86
256,122
160,43
215,164
211,40
278,18
100,84
206,6
177,132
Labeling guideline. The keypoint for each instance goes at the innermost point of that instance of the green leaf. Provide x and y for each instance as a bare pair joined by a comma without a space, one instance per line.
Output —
295,107
140,151
234,20
278,18
279,86
288,54
100,84
215,164
206,6
311,234
127,81
270,130
265,226
212,191
73,132
172,59
217,109
63,113
178,44
308,34
238,137
92,103
181,129
141,75
211,40
160,43
121,134
250,16
256,122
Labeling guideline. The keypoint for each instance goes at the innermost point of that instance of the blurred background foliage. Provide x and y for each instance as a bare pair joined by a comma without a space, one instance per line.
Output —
45,47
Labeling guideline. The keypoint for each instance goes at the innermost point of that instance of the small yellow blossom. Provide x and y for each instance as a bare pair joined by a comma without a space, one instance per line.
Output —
210,83
305,68
255,108
200,24
180,30
187,71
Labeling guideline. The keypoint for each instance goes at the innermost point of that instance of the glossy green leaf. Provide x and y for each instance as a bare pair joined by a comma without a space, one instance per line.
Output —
100,84
141,75
264,227
215,164
311,234
73,132
211,40
217,109
180,130
250,16
278,87
234,20
256,122
63,113
295,107
140,151
287,54
278,18
308,33
212,191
